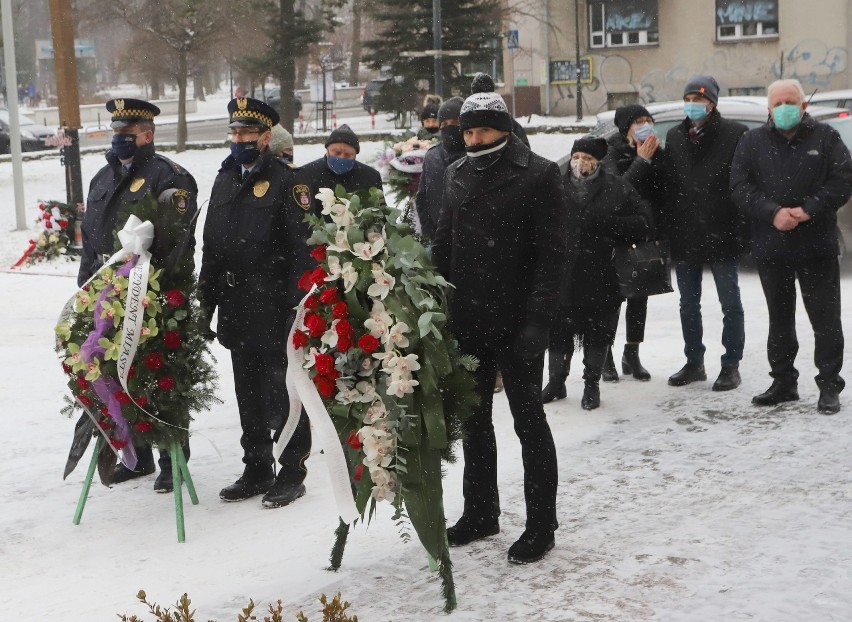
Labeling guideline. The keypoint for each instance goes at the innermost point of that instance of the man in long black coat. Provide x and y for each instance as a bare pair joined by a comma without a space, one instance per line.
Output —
791,176
133,170
254,252
501,241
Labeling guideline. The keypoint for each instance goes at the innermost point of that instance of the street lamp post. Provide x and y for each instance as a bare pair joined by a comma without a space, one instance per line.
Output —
436,43
579,70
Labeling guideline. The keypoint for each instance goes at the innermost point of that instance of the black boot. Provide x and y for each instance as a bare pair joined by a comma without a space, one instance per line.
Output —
779,392
687,374
609,373
593,360
144,466
287,488
470,529
164,482
557,370
254,481
630,363
591,396
829,401
531,547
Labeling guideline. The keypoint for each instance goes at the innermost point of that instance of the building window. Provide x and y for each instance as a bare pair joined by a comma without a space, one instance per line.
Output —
622,23
746,19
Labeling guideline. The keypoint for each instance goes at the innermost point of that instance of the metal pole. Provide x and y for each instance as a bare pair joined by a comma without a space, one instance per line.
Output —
579,72
14,119
513,84
324,105
546,57
436,43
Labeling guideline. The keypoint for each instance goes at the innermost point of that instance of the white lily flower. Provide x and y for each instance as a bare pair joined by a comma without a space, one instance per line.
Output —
375,412
345,394
384,282
401,386
373,236
341,243
334,268
397,335
326,195
329,337
367,391
341,214
349,275
367,251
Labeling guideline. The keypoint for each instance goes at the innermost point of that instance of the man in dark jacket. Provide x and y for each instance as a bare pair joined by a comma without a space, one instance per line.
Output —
438,158
134,170
338,167
791,176
254,252
705,228
501,241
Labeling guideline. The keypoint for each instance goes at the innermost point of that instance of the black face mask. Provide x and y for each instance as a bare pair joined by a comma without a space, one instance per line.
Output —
245,153
493,152
452,138
124,146
431,130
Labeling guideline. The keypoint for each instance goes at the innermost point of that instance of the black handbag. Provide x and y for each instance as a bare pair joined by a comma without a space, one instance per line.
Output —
643,269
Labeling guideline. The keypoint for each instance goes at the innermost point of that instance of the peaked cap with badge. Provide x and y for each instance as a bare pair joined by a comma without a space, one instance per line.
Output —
250,112
126,111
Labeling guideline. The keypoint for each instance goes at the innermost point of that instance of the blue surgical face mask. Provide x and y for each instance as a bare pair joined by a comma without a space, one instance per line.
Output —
695,110
245,153
643,131
339,166
124,146
787,116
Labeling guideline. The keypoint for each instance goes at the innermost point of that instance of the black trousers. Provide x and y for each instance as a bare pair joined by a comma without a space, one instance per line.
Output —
634,319
144,453
522,382
263,402
596,325
819,280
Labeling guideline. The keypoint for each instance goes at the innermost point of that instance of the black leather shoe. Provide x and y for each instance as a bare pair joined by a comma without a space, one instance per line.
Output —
687,374
729,378
468,530
123,474
553,390
531,547
631,365
251,484
164,482
591,396
284,491
829,402
776,394
609,373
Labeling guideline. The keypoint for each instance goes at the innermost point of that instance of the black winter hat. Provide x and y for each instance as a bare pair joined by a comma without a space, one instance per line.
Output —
706,86
344,134
482,83
450,109
626,115
430,111
595,147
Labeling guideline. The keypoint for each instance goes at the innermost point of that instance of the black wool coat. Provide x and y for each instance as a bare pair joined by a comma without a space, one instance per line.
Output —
428,200
316,175
704,223
254,252
811,170
501,241
113,186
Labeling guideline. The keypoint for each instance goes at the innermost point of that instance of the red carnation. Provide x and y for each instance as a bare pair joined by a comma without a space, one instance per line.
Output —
318,253
325,386
353,441
334,374
104,425
318,276
175,298
132,371
359,471
300,339
118,443
166,383
344,342
343,328
104,410
121,397
315,324
311,303
305,283
153,361
368,343
339,311
82,383
143,426
85,400
324,363
142,401
329,296
171,339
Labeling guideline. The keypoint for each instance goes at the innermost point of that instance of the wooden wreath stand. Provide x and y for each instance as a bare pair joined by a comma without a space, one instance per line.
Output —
180,475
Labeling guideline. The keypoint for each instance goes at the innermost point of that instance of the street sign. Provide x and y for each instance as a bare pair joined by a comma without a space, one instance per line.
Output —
565,71
83,48
512,39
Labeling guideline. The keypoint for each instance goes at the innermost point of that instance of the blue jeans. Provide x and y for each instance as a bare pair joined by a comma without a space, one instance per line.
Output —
725,273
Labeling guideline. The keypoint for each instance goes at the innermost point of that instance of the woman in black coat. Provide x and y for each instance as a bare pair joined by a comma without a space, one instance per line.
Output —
604,211
635,155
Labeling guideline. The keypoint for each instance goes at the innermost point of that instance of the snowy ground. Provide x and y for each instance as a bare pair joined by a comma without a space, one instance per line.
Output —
674,504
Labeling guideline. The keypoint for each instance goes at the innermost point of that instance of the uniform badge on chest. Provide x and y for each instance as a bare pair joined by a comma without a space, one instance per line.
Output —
302,196
136,184
260,188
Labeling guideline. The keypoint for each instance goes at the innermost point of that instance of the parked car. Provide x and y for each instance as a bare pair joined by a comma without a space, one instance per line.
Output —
272,96
33,135
370,94
834,99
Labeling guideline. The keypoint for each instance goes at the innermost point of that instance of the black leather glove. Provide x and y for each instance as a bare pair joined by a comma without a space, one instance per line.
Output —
205,317
531,340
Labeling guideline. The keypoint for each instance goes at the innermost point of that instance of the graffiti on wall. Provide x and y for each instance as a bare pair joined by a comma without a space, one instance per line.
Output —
742,12
813,63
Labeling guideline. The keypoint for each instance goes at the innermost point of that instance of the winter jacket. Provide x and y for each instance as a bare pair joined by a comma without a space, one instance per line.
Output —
254,253
428,200
608,213
704,223
811,170
113,186
317,175
501,241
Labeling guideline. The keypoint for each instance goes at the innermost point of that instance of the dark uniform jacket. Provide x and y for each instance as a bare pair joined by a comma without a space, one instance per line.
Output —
501,241
428,200
704,223
317,175
607,213
811,170
254,253
113,186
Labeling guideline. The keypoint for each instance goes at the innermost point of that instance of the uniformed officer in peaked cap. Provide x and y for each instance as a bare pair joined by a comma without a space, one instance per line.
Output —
255,250
134,170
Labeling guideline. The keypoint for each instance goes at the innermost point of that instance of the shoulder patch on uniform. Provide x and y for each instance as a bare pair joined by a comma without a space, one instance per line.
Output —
302,196
180,200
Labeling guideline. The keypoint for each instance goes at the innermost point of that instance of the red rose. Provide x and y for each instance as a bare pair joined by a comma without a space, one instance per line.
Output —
311,303
63,223
82,383
368,343
143,426
300,339
85,400
104,425
315,324
121,397
318,276
166,383
171,339
325,386
359,471
343,328
118,443
175,298
333,374
318,253
305,283
353,441
104,410
344,342
86,287
339,311
153,361
324,363
329,296
142,401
